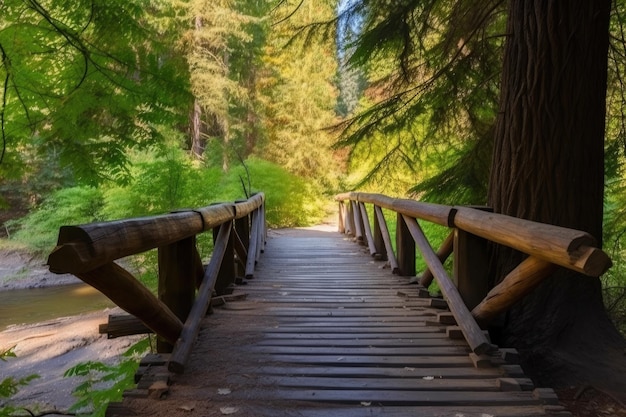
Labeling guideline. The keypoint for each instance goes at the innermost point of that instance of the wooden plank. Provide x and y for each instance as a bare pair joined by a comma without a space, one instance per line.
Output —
371,409
392,397
372,360
335,371
368,350
402,384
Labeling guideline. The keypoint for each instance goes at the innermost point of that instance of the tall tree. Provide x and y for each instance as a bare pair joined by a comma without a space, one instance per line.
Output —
548,166
298,93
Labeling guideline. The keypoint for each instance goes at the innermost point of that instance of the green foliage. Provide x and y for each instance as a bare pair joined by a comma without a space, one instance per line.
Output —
428,64
74,205
105,383
298,97
86,81
290,200
10,386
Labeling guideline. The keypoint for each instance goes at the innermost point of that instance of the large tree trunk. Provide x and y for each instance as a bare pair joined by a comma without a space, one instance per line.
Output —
548,166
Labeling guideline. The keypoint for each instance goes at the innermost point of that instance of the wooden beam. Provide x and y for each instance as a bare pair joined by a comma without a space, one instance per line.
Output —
384,230
519,282
435,213
254,243
189,332
472,332
405,248
244,208
226,273
340,224
367,229
85,247
124,290
358,221
445,250
177,286
570,248
379,241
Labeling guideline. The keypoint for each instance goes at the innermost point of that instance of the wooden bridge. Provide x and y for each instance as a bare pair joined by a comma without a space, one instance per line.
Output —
319,325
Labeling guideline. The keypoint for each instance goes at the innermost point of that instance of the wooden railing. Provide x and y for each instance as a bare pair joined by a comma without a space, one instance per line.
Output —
471,228
185,285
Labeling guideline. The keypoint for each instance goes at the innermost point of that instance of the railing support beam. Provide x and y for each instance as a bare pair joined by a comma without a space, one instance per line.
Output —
473,333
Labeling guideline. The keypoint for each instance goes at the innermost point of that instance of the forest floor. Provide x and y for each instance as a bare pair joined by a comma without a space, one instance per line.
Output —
49,348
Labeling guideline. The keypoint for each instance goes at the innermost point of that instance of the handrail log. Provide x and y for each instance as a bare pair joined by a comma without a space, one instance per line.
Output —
124,290
85,247
518,283
244,208
435,213
474,336
189,332
570,248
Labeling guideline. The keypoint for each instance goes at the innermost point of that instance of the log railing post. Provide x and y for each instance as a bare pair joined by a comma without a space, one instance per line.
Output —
177,280
365,221
405,248
379,241
191,327
242,242
471,267
349,215
358,222
384,231
226,275
340,218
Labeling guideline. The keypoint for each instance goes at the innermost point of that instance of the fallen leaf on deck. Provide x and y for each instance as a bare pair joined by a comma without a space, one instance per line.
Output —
223,391
428,378
186,407
228,410
366,403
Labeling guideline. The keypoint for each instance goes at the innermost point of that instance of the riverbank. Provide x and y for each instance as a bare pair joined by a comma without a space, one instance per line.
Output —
21,270
50,347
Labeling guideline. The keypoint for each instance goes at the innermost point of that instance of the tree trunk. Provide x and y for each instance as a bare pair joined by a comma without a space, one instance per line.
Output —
548,166
198,142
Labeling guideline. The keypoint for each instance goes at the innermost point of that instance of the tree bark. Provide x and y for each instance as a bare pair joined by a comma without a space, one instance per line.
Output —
548,166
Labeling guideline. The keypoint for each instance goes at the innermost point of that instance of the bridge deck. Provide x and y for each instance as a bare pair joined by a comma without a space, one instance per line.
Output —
327,331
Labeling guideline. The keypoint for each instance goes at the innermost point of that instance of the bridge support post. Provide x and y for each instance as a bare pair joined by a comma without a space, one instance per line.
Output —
242,227
471,267
379,242
177,280
341,218
226,274
405,248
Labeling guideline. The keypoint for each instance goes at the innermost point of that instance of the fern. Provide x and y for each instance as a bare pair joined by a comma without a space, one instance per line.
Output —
105,383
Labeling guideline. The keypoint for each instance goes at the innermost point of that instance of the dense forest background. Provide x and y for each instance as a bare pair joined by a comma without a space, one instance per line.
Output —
112,109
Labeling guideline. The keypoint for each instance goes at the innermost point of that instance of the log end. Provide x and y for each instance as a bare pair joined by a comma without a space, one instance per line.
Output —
592,261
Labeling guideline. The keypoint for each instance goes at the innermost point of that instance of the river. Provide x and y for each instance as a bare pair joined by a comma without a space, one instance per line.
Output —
26,306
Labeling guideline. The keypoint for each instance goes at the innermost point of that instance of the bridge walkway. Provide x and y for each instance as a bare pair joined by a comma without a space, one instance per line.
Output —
325,330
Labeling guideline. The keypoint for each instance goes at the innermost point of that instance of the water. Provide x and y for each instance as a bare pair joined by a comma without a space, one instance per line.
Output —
40,304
